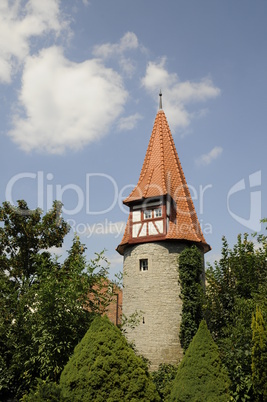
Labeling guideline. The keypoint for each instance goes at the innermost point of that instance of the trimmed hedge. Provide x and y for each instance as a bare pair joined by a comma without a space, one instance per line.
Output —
200,376
104,368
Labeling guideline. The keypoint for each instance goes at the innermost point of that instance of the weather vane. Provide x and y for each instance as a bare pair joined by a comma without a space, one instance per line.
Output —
160,99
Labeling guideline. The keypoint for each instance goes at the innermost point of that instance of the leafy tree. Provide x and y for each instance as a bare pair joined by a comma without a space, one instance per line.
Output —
236,284
163,379
190,277
44,305
201,376
104,368
24,234
259,356
235,350
238,274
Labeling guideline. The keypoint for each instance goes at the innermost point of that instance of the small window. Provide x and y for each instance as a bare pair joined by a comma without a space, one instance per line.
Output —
157,213
144,264
148,214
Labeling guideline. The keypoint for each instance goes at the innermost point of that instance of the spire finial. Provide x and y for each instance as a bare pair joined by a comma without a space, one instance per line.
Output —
160,100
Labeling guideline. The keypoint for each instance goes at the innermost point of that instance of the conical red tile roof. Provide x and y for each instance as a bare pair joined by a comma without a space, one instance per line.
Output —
162,174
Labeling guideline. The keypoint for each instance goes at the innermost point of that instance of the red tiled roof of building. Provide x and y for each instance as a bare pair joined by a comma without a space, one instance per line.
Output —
162,174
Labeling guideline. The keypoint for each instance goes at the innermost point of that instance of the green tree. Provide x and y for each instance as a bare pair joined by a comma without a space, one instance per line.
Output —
201,376
163,379
104,368
259,356
192,291
44,305
235,350
235,285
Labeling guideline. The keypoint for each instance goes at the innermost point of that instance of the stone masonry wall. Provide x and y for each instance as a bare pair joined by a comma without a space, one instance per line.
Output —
156,293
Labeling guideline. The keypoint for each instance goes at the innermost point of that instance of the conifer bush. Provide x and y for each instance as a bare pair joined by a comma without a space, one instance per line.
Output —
104,368
200,376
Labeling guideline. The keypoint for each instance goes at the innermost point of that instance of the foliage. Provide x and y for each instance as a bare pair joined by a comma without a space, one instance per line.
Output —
238,274
104,368
44,305
235,350
259,356
236,284
163,379
45,391
190,277
132,320
201,376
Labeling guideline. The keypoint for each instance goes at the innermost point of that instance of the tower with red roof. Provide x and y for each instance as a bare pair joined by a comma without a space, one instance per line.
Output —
162,222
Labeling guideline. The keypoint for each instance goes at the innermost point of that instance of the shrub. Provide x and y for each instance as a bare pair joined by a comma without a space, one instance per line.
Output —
200,376
163,379
46,391
104,368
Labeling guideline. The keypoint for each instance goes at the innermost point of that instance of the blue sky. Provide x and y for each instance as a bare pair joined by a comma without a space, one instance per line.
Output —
79,84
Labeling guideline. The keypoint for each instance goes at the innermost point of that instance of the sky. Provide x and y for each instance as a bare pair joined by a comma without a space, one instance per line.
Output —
79,85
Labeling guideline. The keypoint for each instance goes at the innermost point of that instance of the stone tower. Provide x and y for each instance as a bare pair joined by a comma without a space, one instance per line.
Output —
162,222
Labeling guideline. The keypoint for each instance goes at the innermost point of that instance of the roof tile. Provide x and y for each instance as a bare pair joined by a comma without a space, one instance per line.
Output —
162,174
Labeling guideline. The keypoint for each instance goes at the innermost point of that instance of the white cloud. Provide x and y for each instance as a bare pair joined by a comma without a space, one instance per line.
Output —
117,50
158,77
176,94
129,122
128,42
20,21
66,104
128,66
206,159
